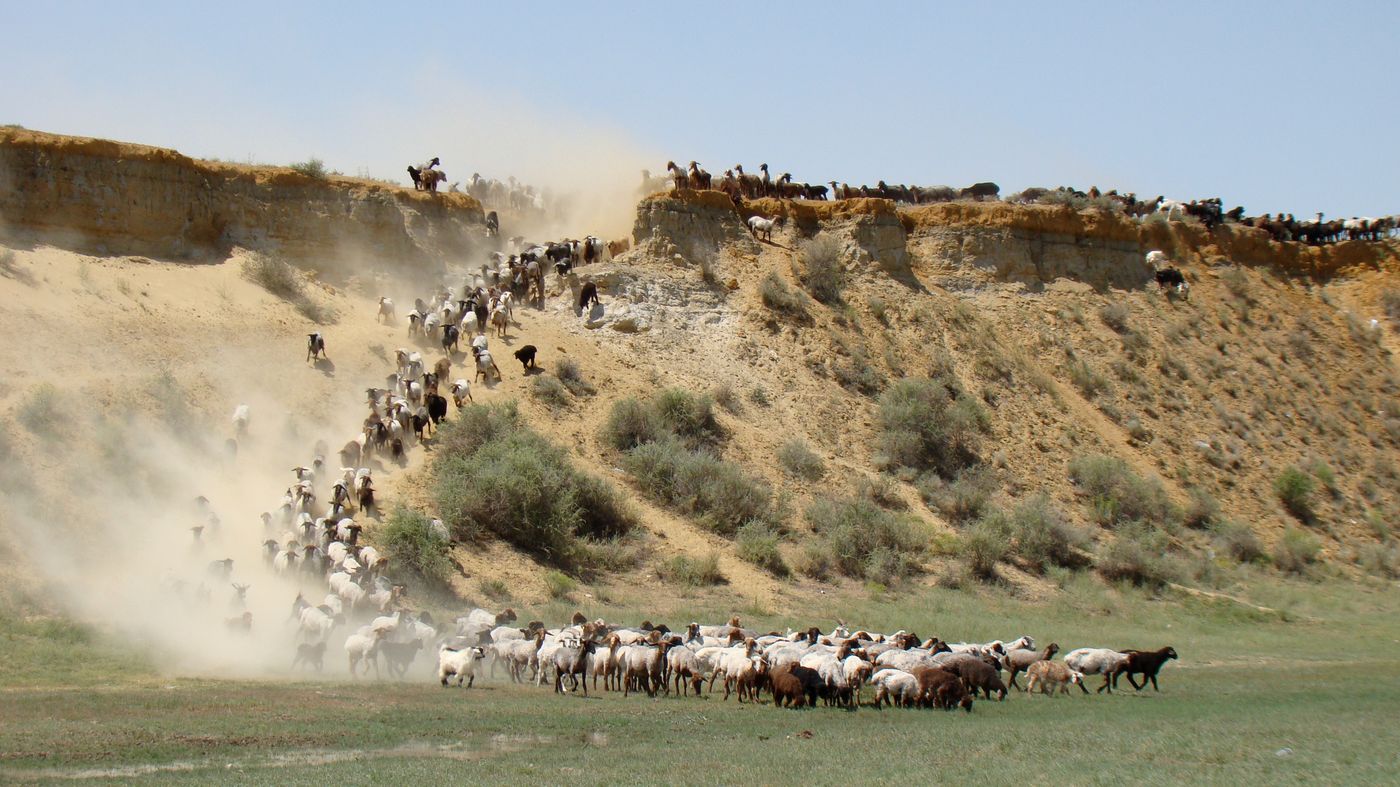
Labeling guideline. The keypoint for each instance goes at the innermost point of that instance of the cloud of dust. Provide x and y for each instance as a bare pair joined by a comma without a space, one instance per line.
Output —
108,526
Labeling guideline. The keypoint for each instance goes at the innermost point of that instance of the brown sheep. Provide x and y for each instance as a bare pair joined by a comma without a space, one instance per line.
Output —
794,685
978,674
1050,675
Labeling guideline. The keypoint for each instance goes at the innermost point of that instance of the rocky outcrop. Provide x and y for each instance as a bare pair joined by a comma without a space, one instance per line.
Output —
693,224
116,198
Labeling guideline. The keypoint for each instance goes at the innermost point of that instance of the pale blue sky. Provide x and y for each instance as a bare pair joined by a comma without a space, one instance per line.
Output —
1276,105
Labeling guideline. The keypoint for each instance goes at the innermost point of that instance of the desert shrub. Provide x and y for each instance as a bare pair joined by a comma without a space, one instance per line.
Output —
1325,476
1236,281
930,424
275,276
1390,302
814,560
1382,560
1296,550
494,475
1118,495
1043,538
885,566
550,391
41,412
172,403
852,529
778,296
882,491
692,572
725,396
854,371
759,396
631,423
571,375
718,493
312,168
409,540
673,411
758,544
822,275
285,281
1138,555
1202,510
494,589
1089,382
879,309
1295,489
1238,542
800,461
559,585
962,498
1115,315
689,416
985,544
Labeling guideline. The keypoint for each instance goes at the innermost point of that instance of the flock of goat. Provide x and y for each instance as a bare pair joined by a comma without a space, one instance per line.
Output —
740,185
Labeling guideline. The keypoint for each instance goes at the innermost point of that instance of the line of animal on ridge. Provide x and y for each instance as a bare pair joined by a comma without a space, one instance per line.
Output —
1209,211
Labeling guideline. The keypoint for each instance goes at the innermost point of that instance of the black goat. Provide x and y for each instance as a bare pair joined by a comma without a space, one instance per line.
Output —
1171,277
526,356
316,346
588,294
437,408
493,225
450,335
981,191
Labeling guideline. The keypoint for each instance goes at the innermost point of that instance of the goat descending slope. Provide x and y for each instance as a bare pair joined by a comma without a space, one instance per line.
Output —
759,226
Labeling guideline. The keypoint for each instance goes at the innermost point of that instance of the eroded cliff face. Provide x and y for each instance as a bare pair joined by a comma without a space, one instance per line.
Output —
116,198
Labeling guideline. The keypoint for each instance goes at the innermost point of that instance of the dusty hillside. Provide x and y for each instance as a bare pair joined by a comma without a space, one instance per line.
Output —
130,366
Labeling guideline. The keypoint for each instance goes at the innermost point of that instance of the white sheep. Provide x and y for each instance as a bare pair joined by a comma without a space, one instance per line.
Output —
1096,661
362,647
459,664
240,420
386,311
897,687
760,226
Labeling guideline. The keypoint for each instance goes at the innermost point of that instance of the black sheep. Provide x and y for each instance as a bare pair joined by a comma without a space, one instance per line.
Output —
526,356
1145,663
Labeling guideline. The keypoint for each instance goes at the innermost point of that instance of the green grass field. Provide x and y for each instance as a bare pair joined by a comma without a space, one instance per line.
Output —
1319,682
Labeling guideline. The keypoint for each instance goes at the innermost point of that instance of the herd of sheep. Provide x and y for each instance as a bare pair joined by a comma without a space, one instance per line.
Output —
312,538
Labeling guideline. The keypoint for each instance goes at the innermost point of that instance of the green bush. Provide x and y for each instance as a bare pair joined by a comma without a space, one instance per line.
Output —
569,373
1117,495
559,585
275,276
1089,382
1115,315
853,529
1295,489
930,424
312,168
1296,550
494,475
814,560
692,572
778,296
1238,542
550,391
757,543
1138,555
1382,560
673,411
985,544
821,268
409,540
882,491
42,411
1202,510
494,589
631,423
719,493
800,461
961,499
1043,538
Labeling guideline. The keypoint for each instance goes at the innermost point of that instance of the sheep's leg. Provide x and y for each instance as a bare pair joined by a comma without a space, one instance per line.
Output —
1136,687
1153,676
